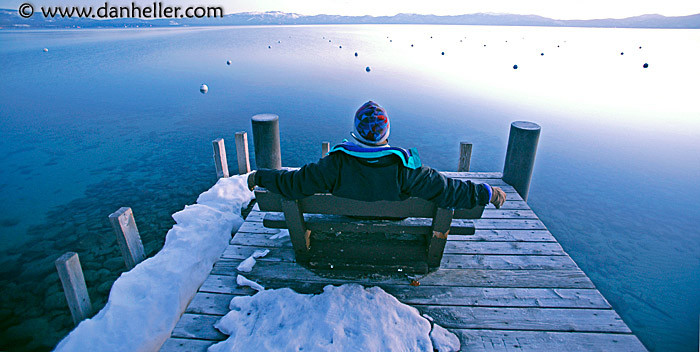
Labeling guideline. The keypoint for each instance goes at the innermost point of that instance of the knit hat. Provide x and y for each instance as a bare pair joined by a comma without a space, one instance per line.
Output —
371,124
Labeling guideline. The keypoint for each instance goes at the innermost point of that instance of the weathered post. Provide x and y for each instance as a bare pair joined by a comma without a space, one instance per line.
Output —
220,158
520,155
325,148
465,156
73,281
128,237
242,153
266,139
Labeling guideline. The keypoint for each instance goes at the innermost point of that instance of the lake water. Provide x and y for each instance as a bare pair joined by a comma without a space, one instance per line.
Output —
111,118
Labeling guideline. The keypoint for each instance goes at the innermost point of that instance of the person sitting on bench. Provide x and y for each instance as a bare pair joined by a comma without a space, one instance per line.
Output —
372,170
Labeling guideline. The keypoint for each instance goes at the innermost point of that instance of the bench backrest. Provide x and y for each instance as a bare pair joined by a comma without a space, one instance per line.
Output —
324,203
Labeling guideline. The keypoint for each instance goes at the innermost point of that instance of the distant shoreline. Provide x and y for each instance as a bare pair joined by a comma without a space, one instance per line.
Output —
10,19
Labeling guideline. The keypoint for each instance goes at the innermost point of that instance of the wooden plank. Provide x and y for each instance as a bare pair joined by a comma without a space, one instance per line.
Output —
267,271
337,223
198,326
497,224
218,303
220,158
210,303
465,156
185,345
535,319
495,175
492,213
257,215
449,261
507,236
507,262
264,239
128,237
242,154
504,248
329,204
537,341
71,274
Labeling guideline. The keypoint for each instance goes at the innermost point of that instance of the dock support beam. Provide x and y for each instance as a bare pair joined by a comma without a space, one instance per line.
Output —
220,158
520,155
128,236
242,153
73,281
325,148
465,156
266,139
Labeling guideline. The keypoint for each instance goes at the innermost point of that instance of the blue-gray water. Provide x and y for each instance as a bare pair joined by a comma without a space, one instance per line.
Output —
111,118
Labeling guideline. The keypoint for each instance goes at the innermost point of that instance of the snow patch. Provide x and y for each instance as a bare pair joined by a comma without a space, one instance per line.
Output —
247,265
146,302
243,281
342,318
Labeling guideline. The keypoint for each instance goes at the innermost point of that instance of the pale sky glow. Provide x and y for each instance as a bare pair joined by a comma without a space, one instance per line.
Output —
559,9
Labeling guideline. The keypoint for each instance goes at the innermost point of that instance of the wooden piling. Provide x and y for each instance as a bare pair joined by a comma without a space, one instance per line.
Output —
220,158
325,148
128,237
266,140
242,153
73,281
520,155
465,156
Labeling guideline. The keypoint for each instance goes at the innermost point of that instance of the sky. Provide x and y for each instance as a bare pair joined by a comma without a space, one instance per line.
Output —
559,9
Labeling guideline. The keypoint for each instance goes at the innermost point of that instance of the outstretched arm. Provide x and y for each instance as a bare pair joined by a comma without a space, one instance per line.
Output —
309,179
429,184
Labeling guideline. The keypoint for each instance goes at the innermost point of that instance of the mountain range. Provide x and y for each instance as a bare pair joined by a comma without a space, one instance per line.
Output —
10,19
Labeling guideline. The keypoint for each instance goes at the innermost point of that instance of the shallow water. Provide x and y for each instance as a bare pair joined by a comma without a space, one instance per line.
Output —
111,118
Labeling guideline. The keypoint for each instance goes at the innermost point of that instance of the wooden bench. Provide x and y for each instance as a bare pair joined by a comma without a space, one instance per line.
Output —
331,232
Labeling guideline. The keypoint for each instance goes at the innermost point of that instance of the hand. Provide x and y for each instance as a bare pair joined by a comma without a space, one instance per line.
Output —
251,180
498,197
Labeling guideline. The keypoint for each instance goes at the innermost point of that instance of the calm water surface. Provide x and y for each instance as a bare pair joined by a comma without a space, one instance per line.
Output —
111,118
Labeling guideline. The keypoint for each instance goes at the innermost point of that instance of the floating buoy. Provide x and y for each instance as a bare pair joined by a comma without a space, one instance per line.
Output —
541,54
46,50
645,65
355,54
515,67
203,88
228,62
443,53
367,69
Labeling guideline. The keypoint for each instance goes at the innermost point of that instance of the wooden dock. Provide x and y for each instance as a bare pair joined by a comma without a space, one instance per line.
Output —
508,287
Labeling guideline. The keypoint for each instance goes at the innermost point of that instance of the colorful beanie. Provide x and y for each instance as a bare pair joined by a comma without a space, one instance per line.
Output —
371,124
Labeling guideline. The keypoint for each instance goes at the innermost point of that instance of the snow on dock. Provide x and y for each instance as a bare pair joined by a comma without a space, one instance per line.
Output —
508,287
